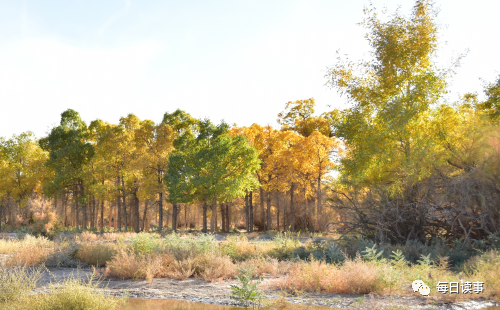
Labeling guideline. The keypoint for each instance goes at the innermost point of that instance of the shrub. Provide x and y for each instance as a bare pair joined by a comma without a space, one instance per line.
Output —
145,243
177,269
31,251
211,266
128,265
74,294
96,254
487,269
355,276
248,293
16,283
63,255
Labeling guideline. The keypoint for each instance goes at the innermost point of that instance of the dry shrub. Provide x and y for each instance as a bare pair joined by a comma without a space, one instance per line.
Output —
487,270
356,277
96,254
31,251
211,266
88,236
264,266
353,277
179,270
8,246
128,265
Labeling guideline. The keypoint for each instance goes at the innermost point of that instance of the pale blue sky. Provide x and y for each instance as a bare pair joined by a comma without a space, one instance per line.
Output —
240,61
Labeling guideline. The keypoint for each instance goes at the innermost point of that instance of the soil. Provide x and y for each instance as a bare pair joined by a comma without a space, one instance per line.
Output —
198,290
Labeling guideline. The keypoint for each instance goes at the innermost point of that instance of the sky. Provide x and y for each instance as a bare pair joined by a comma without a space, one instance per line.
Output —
234,60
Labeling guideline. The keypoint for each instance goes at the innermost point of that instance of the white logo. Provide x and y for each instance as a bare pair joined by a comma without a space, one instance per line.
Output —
421,287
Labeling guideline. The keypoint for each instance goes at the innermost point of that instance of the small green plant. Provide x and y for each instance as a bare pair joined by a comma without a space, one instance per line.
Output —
425,260
248,293
371,254
144,243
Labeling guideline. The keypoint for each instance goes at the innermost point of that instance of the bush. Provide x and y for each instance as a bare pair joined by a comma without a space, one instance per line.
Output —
16,283
211,266
487,269
75,294
31,251
96,254
128,265
145,243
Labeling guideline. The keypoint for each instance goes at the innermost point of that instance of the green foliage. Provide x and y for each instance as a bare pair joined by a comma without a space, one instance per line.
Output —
16,283
384,129
211,167
425,260
68,148
145,243
248,293
492,103
285,245
371,254
75,294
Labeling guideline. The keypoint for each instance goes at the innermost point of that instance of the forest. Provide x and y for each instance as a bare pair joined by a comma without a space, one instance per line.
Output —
379,205
400,163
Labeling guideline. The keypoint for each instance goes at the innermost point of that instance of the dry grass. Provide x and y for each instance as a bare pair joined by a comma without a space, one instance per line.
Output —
211,267
31,251
264,266
96,254
8,246
177,269
128,265
487,269
353,277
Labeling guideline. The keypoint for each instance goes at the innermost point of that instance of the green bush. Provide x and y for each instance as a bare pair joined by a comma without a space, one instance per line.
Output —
145,243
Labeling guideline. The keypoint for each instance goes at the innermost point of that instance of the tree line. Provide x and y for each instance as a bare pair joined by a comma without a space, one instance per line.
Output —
400,163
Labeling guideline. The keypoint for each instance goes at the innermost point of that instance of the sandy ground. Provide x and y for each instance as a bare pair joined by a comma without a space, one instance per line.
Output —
197,290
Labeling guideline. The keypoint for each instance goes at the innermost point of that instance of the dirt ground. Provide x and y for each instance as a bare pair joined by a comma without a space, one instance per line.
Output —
197,290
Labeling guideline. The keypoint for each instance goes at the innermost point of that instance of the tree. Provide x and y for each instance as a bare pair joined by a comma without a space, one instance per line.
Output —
69,152
183,124
298,116
22,171
156,141
492,103
212,167
390,98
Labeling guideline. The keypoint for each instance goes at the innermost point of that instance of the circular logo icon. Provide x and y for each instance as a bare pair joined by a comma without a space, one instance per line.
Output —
424,290
417,284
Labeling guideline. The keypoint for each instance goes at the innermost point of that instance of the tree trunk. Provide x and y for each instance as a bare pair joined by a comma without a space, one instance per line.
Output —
124,205
101,224
118,219
228,222
212,219
93,220
185,217
292,211
205,207
1,213
268,205
75,202
277,212
247,213
262,214
174,216
223,216
145,215
65,205
136,211
250,207
84,207
318,204
216,219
